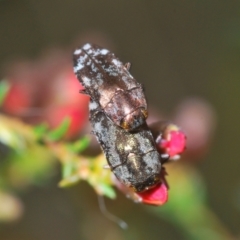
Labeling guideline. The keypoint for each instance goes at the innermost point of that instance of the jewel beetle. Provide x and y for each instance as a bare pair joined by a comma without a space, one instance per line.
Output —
132,156
108,82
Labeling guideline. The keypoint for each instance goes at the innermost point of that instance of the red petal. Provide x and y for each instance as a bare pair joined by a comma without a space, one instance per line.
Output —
177,143
18,99
174,142
77,115
155,196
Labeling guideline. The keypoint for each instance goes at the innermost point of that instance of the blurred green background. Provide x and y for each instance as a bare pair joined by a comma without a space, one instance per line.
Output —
179,49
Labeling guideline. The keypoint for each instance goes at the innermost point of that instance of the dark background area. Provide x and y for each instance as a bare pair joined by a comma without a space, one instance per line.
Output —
179,49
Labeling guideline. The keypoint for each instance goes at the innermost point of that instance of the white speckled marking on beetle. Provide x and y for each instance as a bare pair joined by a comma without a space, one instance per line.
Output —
98,127
86,81
94,68
77,51
90,51
78,67
89,62
82,59
92,105
86,46
116,62
99,79
104,51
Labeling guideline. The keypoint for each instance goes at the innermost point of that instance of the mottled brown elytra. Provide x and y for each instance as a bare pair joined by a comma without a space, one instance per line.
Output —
109,83
132,156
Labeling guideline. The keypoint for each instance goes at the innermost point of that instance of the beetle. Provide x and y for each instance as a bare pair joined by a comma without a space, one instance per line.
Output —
108,82
132,156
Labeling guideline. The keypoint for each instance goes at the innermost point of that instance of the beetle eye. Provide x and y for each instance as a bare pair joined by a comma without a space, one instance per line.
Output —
144,112
157,179
133,188
124,124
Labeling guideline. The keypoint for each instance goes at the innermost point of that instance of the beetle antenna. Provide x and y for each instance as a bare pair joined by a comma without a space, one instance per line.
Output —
110,216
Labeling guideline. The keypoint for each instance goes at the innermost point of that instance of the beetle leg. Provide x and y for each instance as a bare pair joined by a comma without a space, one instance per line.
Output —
127,65
83,91
164,157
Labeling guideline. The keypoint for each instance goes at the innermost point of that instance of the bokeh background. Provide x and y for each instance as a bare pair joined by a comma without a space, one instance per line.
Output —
179,50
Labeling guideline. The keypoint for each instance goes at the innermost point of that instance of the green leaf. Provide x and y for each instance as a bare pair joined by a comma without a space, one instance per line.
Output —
70,177
34,165
68,169
40,130
60,131
80,145
108,191
4,87
69,181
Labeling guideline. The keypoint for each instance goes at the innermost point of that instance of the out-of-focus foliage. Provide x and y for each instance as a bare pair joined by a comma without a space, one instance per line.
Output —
31,159
4,87
33,149
187,206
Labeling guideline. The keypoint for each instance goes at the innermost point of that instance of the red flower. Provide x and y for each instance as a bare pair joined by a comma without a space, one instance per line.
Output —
68,102
172,141
78,118
17,100
157,195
